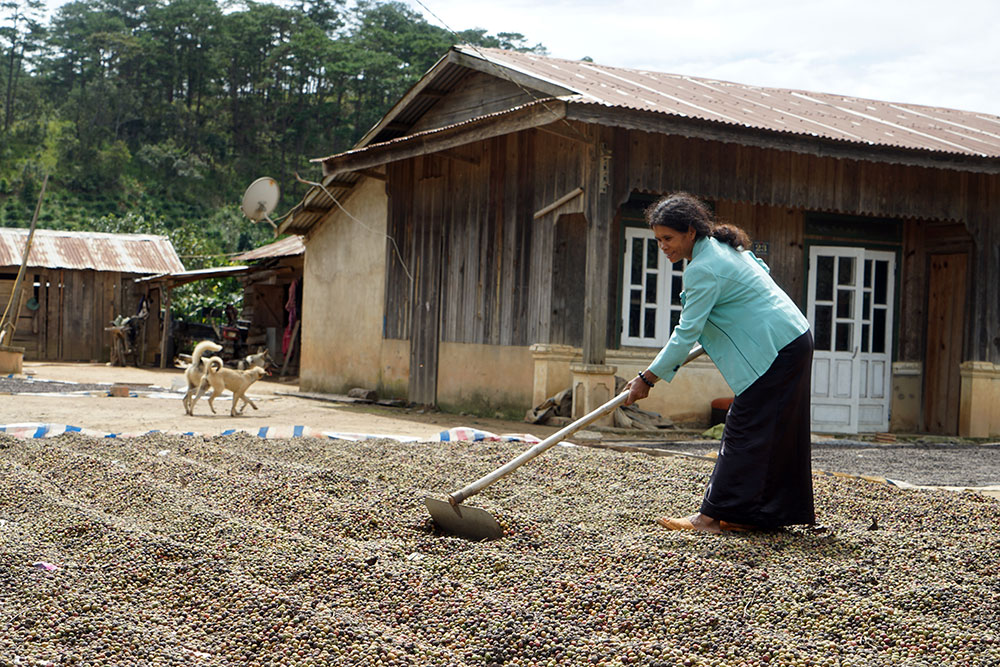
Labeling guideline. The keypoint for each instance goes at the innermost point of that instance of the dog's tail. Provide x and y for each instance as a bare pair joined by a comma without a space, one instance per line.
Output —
215,364
200,349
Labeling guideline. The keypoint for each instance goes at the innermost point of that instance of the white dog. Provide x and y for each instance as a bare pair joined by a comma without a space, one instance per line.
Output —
222,378
195,373
262,360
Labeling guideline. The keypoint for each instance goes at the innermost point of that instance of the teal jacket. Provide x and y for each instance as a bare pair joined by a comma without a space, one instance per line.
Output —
735,310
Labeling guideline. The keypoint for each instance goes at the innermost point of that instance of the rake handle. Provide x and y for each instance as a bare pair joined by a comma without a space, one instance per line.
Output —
472,489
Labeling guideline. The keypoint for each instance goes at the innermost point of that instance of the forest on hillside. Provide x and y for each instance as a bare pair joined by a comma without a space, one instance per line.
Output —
153,116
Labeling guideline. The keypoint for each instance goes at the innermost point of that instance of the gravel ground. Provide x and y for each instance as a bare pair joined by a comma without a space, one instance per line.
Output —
235,550
922,464
925,462
14,385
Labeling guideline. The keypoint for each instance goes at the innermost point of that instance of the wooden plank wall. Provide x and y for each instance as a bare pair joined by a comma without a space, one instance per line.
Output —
477,95
782,229
569,258
663,163
922,240
558,169
497,261
74,308
429,214
23,334
398,286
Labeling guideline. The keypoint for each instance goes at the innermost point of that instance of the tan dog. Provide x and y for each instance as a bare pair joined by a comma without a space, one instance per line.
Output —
195,373
222,378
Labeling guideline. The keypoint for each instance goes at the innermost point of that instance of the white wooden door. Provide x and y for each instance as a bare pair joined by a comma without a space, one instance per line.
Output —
850,311
877,283
834,311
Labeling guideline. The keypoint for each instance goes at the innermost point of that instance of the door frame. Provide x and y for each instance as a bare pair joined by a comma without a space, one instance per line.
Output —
859,243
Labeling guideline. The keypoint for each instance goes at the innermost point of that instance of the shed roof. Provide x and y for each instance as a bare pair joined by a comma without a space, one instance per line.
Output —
178,278
98,251
286,247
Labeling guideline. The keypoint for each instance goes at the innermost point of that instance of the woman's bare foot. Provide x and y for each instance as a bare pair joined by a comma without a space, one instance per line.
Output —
697,522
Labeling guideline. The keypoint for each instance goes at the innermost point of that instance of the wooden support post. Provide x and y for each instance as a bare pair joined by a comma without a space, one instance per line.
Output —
165,337
291,347
599,210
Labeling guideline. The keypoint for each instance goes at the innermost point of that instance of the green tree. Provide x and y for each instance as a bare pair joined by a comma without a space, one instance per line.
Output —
22,34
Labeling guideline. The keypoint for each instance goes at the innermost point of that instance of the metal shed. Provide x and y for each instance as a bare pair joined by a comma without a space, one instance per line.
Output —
76,283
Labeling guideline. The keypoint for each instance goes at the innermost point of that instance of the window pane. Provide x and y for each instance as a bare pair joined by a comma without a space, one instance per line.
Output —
845,336
649,328
845,304
878,330
675,318
866,306
652,251
845,271
676,287
881,281
634,313
864,337
824,278
824,317
636,261
651,289
868,273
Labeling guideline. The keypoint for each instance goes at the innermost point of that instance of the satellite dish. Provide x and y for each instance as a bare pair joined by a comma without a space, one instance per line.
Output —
260,199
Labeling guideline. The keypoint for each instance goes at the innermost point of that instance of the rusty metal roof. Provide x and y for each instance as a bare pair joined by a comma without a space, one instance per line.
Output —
121,253
851,119
177,278
286,247
788,119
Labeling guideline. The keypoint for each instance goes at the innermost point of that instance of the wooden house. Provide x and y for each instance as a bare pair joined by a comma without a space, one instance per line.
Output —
489,248
76,284
272,299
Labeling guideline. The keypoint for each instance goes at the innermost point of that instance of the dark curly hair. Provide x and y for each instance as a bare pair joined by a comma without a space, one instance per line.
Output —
682,211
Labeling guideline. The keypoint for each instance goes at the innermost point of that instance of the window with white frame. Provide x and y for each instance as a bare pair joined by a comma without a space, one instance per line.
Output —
651,299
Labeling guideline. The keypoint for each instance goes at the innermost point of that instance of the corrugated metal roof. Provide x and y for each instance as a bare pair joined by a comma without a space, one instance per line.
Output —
286,247
177,278
826,115
123,253
917,134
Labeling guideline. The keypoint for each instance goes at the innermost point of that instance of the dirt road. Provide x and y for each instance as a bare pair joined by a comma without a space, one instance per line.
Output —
149,410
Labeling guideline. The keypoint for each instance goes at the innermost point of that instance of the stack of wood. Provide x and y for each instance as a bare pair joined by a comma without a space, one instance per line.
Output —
558,411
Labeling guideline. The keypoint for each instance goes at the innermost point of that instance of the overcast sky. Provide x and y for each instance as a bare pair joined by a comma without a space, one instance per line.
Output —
940,53
936,52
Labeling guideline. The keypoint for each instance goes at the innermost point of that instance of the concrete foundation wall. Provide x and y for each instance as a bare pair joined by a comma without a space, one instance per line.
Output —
904,409
485,379
979,412
343,296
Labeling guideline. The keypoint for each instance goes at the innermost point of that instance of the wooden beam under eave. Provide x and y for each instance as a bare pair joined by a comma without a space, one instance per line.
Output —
371,173
523,118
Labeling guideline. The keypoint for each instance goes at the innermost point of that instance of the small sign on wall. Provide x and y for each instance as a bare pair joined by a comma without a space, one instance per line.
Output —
761,248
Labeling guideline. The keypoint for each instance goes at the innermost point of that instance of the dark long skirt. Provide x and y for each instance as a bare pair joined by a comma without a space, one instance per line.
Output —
763,476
